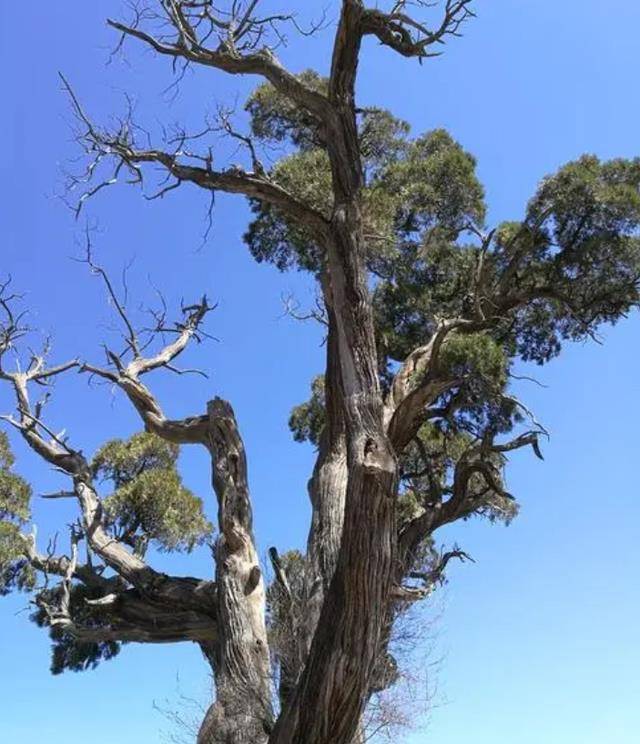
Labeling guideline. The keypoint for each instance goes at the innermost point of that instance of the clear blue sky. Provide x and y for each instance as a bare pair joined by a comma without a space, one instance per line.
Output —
539,639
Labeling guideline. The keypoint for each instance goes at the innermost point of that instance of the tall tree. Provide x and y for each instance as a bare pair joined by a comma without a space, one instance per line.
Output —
426,310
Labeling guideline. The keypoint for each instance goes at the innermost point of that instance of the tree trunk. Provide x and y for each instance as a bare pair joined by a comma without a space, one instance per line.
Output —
242,712
329,700
327,487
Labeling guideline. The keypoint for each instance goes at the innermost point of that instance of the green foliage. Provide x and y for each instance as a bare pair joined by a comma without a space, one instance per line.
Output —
442,445
420,282
580,254
15,496
275,119
428,467
571,264
413,187
435,186
15,571
408,505
577,250
272,238
476,356
67,653
307,419
481,366
383,141
15,493
590,200
149,499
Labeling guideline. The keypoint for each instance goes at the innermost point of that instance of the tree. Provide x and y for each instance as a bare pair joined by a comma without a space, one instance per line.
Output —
426,310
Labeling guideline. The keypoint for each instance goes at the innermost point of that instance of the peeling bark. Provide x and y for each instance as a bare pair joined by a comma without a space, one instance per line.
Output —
327,488
242,712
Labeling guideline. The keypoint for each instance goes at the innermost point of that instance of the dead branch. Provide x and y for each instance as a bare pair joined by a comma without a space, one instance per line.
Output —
120,148
408,36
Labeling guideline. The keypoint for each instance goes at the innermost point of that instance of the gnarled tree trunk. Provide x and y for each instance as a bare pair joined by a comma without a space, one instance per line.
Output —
242,711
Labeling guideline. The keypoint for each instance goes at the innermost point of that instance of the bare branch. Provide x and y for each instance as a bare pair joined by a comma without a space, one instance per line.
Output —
280,573
131,336
437,574
120,147
61,565
402,32
127,376
58,495
56,451
292,309
233,42
12,327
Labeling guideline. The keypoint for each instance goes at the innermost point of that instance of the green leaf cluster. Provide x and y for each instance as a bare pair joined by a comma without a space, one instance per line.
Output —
67,653
580,255
307,420
276,119
149,500
15,497
411,185
576,250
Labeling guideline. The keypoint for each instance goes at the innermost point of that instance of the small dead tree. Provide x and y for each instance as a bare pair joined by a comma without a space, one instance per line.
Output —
425,311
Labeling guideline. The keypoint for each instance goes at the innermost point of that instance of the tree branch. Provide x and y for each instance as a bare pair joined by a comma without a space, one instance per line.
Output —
183,592
237,52
128,617
61,565
101,145
410,37
417,384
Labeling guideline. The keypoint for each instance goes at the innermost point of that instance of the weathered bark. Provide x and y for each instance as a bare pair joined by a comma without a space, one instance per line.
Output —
330,697
329,700
242,711
127,617
327,492
327,487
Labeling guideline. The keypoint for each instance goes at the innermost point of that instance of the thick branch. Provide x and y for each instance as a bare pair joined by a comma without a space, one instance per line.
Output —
478,460
416,385
182,592
128,617
54,450
242,662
